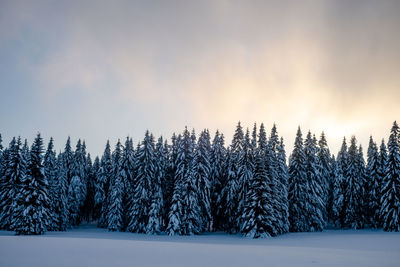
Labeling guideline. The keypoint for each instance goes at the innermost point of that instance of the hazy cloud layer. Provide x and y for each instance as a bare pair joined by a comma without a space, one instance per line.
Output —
106,69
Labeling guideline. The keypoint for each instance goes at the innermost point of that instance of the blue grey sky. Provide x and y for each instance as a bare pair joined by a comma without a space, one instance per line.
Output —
101,70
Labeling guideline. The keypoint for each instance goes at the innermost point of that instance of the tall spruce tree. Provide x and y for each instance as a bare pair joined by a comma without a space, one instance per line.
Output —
68,157
62,193
185,212
218,177
166,173
383,158
258,217
128,173
154,224
77,186
191,222
32,214
373,184
50,171
14,175
298,188
96,173
168,183
382,161
324,158
175,214
142,191
231,190
116,192
88,205
228,198
352,203
315,203
102,185
363,211
343,162
336,210
283,173
202,171
390,209
245,176
279,181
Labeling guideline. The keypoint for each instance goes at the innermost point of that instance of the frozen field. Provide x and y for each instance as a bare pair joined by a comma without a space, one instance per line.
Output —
89,246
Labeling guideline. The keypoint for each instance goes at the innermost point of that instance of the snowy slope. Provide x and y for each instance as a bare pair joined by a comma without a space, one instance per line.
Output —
89,246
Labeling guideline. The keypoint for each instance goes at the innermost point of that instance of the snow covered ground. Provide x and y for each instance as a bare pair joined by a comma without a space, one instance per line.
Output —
90,246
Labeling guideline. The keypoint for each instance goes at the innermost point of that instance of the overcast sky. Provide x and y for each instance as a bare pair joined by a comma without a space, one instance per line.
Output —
102,70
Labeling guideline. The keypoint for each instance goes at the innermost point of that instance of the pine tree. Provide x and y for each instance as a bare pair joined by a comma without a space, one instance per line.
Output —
227,201
218,177
382,161
25,153
127,172
50,171
175,215
262,138
102,185
84,178
390,209
257,217
343,162
245,176
343,156
363,211
167,184
337,211
191,222
77,186
298,187
270,161
68,157
62,193
315,205
324,158
202,171
234,183
254,138
373,184
353,188
141,197
279,188
284,178
14,175
239,150
96,173
116,192
88,205
32,214
163,156
185,213
154,224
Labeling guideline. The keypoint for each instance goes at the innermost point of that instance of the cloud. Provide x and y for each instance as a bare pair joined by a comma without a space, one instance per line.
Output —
320,64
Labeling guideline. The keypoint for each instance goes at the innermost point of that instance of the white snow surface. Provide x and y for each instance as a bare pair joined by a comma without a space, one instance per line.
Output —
91,246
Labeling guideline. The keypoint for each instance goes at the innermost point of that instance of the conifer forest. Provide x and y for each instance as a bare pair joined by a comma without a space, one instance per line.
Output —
192,184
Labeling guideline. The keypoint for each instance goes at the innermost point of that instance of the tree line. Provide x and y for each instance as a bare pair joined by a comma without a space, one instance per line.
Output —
196,184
